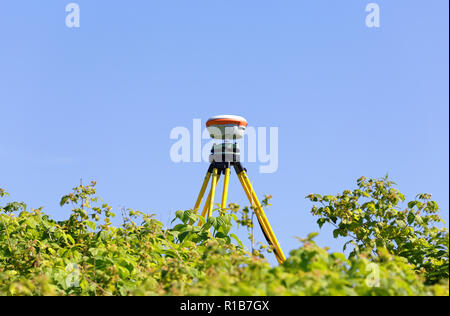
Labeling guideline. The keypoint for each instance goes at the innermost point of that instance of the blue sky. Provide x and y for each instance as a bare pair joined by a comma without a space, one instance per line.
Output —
99,102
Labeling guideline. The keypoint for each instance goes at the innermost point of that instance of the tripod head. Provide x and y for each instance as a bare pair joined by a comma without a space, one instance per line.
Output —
227,128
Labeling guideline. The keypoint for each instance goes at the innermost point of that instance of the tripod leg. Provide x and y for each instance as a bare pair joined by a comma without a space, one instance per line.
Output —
206,207
252,202
201,194
213,191
225,188
247,192
267,230
205,210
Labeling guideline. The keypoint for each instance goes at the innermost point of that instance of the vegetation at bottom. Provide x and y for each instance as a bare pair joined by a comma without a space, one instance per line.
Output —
391,247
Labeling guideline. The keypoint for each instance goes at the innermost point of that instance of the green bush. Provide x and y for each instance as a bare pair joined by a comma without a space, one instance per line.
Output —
87,255
372,218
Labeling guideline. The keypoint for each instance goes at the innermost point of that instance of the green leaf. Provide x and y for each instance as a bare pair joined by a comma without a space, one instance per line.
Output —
237,240
411,218
321,221
419,219
70,238
313,235
84,284
336,233
91,225
64,200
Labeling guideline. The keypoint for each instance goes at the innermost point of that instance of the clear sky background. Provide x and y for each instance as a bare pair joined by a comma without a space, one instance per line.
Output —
99,102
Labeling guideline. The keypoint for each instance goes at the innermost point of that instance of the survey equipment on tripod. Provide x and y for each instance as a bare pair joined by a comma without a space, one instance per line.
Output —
224,155
226,127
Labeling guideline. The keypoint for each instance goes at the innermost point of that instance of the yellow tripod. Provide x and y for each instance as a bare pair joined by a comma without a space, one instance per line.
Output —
214,171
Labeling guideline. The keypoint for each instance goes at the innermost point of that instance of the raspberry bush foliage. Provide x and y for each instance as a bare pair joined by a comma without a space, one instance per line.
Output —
88,255
372,217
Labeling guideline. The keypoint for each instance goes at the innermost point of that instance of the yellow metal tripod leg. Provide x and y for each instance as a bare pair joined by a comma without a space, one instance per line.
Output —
213,191
201,194
206,207
225,188
246,190
258,215
265,225
250,198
